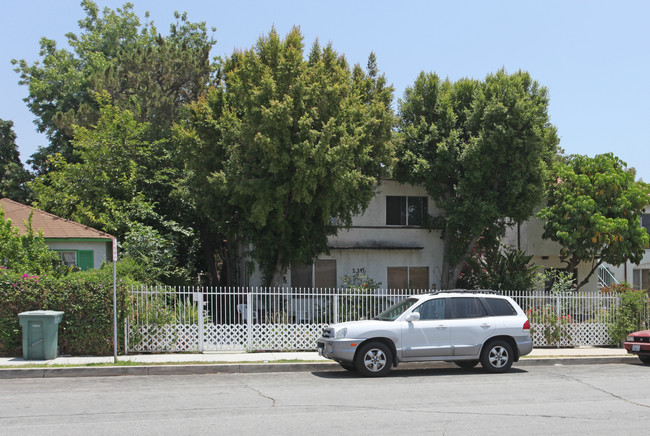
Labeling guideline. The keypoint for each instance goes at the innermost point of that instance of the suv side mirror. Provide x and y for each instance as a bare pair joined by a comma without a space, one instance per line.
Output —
413,316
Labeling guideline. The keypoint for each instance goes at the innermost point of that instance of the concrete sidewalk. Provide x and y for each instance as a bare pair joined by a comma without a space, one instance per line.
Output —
232,362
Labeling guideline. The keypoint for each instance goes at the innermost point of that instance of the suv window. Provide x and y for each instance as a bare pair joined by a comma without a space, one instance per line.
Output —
432,309
500,307
393,312
466,307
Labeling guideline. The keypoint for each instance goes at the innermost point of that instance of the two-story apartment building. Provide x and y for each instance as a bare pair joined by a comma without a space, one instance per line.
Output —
387,241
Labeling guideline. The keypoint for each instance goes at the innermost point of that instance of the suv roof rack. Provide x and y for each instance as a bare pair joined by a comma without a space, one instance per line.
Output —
464,291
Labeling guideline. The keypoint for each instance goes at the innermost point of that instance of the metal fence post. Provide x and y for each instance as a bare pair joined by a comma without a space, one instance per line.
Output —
336,307
249,320
198,298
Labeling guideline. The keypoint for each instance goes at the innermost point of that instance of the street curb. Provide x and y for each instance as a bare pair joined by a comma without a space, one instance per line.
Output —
256,368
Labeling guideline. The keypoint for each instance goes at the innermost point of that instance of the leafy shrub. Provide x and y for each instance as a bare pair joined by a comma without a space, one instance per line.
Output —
85,297
631,313
500,268
27,253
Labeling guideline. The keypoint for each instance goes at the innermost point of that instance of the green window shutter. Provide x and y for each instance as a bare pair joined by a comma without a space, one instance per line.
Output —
85,259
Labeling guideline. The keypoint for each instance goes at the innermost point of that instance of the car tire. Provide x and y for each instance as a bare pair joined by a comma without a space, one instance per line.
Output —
374,359
644,359
466,364
348,366
497,356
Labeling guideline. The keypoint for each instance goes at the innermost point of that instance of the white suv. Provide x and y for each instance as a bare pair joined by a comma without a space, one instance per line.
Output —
466,327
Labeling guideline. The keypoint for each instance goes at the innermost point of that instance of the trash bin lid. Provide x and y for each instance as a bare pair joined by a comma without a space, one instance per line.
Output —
41,313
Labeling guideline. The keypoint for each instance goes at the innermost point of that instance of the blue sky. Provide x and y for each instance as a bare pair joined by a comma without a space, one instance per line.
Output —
593,56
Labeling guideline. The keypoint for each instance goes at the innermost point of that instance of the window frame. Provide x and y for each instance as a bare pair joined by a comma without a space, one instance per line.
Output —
645,222
400,210
84,259
638,278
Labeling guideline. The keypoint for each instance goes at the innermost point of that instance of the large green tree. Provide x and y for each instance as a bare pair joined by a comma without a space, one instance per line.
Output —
143,71
108,105
13,175
482,149
106,186
287,149
594,210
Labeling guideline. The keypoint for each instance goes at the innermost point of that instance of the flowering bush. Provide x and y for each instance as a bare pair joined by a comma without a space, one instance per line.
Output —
555,329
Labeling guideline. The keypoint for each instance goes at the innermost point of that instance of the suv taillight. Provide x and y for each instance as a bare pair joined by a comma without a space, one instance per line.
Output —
527,325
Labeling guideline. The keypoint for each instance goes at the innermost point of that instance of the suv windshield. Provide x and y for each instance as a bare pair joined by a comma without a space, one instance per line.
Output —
396,310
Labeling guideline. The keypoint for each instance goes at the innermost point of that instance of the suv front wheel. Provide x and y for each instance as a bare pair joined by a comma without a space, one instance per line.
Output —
374,359
497,356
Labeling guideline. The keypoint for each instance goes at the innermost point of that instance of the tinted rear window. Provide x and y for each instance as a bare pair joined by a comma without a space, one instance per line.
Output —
500,307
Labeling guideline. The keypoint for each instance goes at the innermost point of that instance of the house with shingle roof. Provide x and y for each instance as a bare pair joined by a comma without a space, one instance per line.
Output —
76,244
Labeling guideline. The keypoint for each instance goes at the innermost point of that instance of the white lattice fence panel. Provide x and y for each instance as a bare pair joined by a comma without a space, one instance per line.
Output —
285,337
574,335
590,334
225,337
164,338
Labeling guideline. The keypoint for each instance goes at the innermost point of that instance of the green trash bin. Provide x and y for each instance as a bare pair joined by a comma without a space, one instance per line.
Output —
40,333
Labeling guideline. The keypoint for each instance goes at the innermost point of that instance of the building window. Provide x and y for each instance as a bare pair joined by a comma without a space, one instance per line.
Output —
408,277
645,222
641,278
406,211
322,274
69,258
84,259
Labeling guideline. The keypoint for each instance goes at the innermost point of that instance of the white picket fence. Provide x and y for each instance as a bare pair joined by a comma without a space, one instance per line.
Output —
192,319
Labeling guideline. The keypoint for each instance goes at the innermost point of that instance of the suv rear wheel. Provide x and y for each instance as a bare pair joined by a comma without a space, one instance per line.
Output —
374,359
497,356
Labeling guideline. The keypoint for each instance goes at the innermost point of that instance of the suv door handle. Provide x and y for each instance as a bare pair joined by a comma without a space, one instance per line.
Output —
441,326
485,325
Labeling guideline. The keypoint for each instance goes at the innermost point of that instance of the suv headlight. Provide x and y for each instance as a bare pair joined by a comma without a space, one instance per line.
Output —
340,334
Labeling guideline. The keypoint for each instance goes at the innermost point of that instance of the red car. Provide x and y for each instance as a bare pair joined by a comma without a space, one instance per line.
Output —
639,343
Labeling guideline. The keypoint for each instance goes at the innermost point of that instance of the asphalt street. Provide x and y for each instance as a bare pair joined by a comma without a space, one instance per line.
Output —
587,399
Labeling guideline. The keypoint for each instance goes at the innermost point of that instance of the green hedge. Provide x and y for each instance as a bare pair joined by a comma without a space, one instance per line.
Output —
85,297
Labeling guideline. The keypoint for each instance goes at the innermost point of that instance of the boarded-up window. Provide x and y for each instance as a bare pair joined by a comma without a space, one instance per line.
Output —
85,259
419,278
322,274
408,277
301,276
398,278
325,273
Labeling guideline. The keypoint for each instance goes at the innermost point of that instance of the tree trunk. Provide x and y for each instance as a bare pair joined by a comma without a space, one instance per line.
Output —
208,252
591,273
451,272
